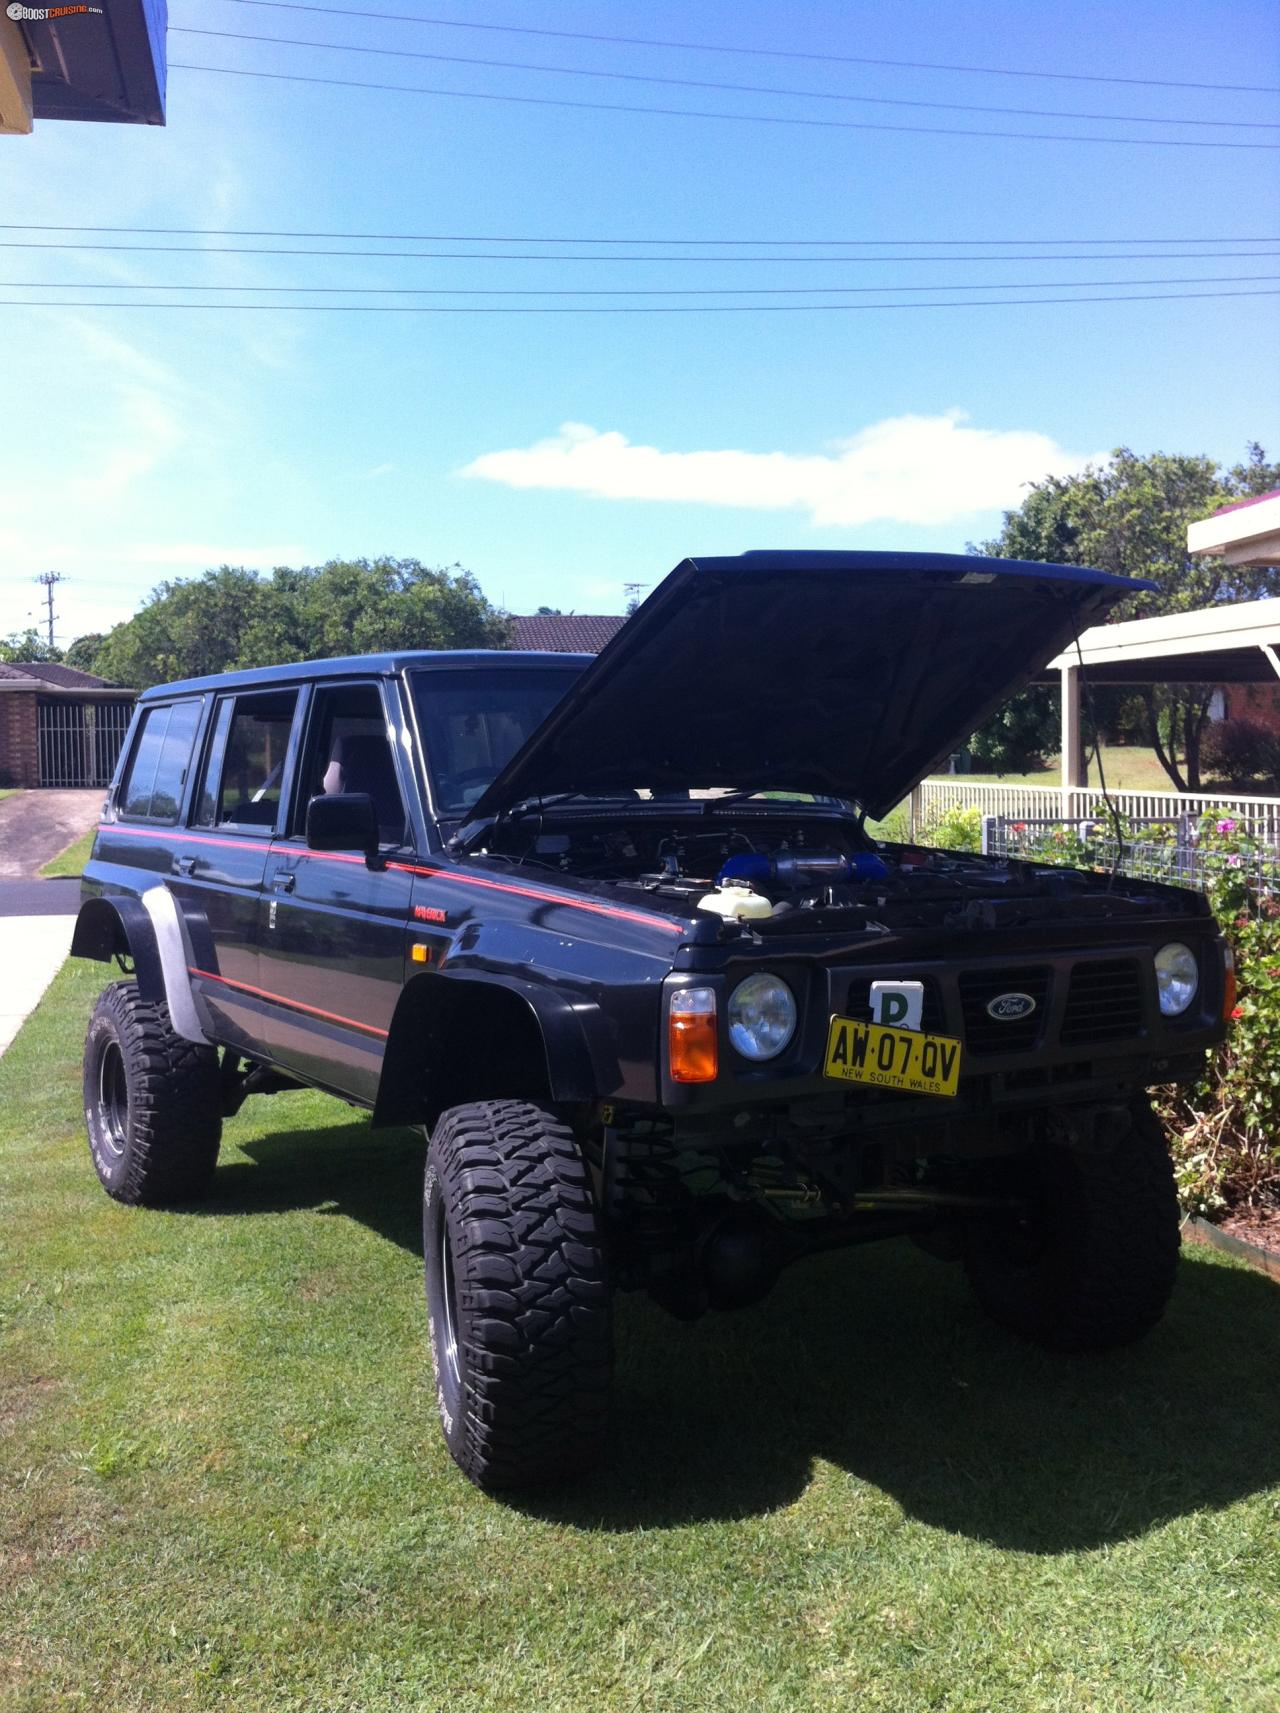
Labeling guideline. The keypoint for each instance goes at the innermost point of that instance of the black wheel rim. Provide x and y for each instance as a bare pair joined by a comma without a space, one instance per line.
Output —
448,1307
113,1098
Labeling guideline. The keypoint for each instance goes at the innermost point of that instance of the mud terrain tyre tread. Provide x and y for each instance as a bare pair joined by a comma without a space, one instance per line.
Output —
169,1134
1110,1249
528,1403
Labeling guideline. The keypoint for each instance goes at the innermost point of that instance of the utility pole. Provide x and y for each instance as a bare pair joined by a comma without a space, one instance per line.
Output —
49,579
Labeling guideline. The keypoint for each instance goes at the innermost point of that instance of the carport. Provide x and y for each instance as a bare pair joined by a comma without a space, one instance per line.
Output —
1228,644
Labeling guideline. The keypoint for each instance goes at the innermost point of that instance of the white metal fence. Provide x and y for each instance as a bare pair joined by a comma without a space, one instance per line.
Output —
933,798
79,742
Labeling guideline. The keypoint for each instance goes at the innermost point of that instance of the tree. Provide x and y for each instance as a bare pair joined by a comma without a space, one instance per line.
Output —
234,617
1021,735
1129,516
84,651
26,645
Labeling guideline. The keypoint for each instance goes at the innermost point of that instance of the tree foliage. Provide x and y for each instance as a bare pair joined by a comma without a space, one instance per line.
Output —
1129,515
1020,736
27,645
234,617
84,650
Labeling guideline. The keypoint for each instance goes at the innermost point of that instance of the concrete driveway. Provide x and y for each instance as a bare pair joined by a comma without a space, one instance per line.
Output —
32,951
36,825
36,916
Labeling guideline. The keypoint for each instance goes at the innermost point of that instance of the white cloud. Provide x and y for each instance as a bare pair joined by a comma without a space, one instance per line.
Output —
905,469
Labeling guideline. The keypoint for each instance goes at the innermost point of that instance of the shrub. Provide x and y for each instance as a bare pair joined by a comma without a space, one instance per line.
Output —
1225,1130
956,830
1240,749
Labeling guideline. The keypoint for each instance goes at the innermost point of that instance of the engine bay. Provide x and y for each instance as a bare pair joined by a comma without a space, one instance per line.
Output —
804,873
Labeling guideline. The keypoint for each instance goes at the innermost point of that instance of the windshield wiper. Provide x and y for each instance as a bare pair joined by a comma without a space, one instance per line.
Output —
536,804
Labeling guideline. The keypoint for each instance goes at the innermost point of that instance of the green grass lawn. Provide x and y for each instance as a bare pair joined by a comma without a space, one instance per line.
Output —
221,1484
1127,768
73,859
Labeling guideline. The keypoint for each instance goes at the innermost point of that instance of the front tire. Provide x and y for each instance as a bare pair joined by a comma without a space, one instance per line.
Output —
517,1297
151,1102
1092,1263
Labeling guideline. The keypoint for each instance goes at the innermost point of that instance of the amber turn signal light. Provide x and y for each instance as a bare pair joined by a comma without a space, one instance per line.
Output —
691,1035
1228,985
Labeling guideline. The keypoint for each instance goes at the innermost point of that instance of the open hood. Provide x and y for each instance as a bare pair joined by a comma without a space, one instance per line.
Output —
846,674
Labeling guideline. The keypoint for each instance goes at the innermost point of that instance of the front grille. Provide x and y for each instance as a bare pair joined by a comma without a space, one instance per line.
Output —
986,1034
1104,1002
858,1003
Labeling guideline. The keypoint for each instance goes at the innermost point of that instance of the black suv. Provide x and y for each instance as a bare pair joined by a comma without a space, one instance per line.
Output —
615,933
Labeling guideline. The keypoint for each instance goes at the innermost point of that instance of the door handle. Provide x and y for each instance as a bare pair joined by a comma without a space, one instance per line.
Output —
184,865
283,880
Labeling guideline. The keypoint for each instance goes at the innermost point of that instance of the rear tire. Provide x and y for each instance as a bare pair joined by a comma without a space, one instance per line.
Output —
517,1297
152,1102
1092,1264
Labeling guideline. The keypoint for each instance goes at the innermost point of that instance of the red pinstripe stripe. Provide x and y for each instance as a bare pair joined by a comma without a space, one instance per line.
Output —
448,874
645,920
282,999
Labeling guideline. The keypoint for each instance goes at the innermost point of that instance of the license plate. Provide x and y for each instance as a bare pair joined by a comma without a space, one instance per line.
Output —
892,1058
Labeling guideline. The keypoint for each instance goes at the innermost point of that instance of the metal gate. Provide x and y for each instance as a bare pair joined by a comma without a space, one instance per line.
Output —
79,742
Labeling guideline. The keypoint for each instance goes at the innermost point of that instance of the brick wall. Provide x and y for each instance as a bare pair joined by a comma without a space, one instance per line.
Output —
19,752
1257,702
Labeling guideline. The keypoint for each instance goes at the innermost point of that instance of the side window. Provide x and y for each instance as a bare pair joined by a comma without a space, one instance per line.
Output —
348,749
152,786
244,768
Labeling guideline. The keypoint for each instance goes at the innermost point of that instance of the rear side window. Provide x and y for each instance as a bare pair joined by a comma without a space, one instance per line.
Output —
157,772
244,770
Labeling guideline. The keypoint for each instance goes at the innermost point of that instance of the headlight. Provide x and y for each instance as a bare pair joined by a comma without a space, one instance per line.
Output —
762,1016
1177,977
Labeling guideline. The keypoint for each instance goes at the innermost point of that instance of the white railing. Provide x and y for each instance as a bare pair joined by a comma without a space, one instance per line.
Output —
933,798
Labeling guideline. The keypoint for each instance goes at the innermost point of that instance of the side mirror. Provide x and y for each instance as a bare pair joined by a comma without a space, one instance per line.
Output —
346,821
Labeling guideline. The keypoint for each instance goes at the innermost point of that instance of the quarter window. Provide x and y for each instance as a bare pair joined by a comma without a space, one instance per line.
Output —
153,785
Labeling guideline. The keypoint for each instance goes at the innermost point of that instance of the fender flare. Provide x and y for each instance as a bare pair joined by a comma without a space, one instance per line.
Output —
578,1060
147,929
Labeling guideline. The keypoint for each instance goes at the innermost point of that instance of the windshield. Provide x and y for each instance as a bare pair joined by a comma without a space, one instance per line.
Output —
474,720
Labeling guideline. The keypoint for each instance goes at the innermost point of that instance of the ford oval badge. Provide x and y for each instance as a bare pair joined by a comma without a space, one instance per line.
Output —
1009,1007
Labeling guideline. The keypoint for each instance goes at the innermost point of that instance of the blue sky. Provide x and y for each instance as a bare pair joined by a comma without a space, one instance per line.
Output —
143,444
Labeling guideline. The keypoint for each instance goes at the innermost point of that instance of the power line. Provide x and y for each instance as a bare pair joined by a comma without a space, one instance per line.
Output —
760,53
563,256
703,113
706,83
622,291
507,238
621,309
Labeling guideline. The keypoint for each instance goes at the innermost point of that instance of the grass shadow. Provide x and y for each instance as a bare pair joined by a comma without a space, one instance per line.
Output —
879,1362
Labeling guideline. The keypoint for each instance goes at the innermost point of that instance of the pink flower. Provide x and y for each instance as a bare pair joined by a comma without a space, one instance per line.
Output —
1237,1014
1226,826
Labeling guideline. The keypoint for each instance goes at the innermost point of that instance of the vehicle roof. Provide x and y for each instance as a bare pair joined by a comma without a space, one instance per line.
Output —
364,666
